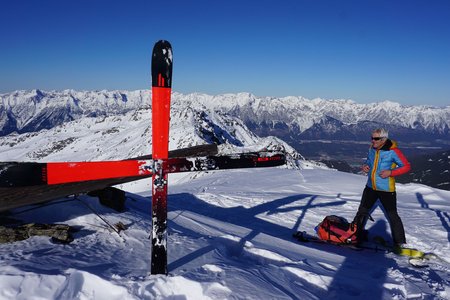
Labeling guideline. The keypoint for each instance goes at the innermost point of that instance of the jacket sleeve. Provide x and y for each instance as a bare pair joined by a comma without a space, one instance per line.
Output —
403,165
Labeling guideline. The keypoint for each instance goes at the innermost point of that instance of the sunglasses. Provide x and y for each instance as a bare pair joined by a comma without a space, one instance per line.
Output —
377,138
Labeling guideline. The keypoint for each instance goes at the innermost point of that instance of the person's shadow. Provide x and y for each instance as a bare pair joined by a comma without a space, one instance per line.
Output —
443,216
348,281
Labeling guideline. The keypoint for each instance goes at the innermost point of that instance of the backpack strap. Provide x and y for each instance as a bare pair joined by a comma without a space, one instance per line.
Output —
332,233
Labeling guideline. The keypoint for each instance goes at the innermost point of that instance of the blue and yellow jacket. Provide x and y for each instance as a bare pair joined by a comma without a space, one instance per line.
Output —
389,157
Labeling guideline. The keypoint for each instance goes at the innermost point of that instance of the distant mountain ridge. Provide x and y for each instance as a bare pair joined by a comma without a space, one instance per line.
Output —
29,111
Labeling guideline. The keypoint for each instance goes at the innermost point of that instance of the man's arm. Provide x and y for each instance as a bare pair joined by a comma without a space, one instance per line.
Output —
403,165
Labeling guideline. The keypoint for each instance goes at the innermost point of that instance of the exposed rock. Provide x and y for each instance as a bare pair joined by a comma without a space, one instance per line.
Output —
58,232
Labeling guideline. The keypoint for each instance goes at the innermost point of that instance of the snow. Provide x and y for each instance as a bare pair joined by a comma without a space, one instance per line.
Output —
230,232
230,237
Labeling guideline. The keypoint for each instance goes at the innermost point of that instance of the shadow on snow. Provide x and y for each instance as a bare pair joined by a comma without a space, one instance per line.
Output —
359,267
443,216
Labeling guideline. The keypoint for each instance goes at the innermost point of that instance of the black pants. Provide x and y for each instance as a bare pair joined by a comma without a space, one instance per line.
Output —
389,202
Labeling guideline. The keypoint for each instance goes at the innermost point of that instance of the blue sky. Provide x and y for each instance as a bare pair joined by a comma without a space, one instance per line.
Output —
362,50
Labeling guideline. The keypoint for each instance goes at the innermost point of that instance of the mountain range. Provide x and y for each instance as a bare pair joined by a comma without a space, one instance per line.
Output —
91,125
25,111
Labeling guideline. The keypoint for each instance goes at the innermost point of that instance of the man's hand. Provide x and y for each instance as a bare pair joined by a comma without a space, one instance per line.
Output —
385,173
365,168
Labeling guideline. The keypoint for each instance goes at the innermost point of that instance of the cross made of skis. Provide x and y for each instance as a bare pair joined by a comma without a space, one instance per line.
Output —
24,183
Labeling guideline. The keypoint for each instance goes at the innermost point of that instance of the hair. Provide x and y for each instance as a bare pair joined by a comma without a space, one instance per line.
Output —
382,132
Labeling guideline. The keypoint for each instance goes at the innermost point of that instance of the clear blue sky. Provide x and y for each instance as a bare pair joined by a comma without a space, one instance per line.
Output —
365,50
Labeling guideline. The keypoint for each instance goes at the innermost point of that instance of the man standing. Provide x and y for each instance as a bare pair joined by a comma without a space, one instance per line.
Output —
384,162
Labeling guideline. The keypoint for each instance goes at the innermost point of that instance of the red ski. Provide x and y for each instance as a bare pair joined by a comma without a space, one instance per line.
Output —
161,91
63,172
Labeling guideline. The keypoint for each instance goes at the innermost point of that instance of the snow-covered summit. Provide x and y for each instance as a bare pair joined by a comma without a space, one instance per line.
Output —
128,135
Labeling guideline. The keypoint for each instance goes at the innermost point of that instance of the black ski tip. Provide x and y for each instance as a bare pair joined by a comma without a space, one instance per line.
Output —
162,44
17,174
301,236
162,64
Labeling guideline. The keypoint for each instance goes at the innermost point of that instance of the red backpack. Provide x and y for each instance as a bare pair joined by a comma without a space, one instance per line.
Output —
337,230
